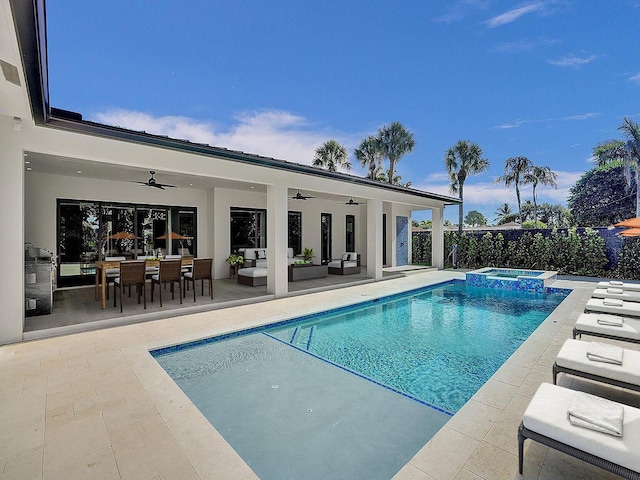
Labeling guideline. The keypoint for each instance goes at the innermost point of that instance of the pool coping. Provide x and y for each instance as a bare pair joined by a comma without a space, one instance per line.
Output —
99,398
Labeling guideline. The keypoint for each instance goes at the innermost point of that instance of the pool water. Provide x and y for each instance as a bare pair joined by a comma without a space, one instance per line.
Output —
438,345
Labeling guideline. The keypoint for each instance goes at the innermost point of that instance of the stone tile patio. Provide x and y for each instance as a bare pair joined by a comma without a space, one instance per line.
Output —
95,405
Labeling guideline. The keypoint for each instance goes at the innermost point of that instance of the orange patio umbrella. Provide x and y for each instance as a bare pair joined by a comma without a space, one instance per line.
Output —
173,236
122,236
631,232
630,223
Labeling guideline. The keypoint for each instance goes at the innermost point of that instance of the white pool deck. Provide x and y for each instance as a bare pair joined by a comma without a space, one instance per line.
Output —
95,405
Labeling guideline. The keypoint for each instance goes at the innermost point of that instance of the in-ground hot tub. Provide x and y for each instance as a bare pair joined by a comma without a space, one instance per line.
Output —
511,279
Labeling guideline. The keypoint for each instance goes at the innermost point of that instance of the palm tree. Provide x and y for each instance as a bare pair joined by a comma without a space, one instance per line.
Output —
629,152
395,141
331,155
369,155
540,176
503,214
515,169
462,160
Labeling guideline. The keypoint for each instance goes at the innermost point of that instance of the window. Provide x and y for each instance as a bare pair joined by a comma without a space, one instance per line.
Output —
350,233
295,232
91,230
248,228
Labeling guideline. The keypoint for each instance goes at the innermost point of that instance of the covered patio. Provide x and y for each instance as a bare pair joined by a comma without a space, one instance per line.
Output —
82,190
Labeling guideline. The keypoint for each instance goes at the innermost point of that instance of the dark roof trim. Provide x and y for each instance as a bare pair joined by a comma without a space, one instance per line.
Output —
30,20
30,24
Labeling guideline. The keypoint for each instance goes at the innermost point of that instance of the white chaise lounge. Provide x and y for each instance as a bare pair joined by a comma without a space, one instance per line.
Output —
616,292
546,421
631,287
572,359
596,325
615,306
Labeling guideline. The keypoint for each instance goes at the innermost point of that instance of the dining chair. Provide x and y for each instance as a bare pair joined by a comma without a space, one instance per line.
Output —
112,273
148,270
131,273
201,271
169,272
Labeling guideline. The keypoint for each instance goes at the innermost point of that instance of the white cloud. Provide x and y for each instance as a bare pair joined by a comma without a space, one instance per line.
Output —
635,78
573,60
514,14
271,133
490,195
518,123
459,10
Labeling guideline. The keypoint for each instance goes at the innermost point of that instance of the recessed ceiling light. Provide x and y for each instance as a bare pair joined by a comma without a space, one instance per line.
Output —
26,154
29,168
78,171
191,184
27,162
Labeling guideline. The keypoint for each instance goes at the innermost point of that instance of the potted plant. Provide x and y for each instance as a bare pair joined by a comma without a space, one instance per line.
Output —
234,260
307,254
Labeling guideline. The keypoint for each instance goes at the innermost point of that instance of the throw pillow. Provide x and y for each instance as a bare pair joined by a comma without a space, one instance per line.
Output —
345,256
261,255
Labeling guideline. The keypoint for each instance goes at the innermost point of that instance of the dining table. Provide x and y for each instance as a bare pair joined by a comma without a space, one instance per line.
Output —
101,274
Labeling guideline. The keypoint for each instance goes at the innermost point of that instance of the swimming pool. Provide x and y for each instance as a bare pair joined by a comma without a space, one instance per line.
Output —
276,395
438,345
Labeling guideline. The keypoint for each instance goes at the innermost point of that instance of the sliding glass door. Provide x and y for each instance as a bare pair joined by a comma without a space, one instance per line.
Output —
88,231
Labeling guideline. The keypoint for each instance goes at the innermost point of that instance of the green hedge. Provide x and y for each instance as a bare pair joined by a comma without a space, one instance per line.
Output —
567,252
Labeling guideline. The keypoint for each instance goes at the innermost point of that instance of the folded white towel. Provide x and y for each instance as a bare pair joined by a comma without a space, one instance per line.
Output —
617,283
615,291
603,352
595,413
612,302
612,320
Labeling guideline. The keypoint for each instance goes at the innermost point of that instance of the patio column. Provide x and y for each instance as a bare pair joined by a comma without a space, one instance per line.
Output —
277,240
437,238
11,245
374,238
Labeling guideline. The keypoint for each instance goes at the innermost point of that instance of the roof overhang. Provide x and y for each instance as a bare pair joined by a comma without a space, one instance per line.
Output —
30,24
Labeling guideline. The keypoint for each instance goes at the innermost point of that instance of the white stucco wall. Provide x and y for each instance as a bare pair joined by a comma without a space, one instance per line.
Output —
12,241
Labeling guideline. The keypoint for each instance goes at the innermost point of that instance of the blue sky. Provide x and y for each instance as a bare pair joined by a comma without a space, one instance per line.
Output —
543,79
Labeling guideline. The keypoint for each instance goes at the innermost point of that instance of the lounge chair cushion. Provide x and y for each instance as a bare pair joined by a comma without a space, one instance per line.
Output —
626,308
588,322
573,355
253,272
338,264
633,287
616,292
547,415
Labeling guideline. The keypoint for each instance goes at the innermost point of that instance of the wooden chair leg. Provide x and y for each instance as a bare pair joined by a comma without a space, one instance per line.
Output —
144,294
121,297
180,291
160,293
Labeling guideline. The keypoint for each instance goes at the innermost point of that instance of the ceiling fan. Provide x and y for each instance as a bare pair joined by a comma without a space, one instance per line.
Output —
299,196
350,202
152,182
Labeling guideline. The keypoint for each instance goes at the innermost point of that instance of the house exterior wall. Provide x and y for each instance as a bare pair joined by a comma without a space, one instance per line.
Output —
43,191
12,241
